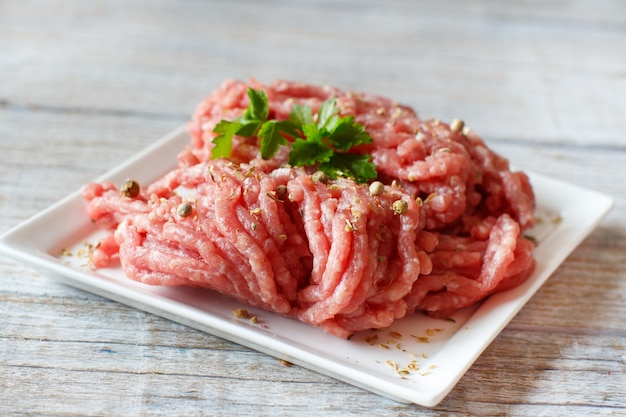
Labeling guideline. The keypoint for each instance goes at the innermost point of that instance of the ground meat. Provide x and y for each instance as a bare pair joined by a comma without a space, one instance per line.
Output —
329,254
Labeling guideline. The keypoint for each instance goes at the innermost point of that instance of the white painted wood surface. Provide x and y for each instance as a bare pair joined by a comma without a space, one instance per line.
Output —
87,84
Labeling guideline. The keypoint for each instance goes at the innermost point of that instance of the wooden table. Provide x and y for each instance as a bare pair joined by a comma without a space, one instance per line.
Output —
87,84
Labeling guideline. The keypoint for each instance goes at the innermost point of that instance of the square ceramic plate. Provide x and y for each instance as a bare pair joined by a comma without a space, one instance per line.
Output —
417,360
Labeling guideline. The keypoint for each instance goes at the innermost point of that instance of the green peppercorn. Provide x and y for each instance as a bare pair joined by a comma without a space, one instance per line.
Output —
184,210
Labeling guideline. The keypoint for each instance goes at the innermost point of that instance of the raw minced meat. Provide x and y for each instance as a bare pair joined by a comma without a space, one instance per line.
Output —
328,253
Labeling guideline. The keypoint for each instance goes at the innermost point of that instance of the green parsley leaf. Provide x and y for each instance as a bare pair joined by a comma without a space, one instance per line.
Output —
345,134
313,133
327,110
224,141
289,128
326,143
258,109
301,115
304,153
246,125
309,151
271,138
351,165
255,114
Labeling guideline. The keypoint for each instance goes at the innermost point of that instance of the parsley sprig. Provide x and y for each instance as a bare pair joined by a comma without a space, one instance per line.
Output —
323,142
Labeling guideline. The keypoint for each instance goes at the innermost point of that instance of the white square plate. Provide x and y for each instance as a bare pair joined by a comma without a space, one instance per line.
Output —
417,360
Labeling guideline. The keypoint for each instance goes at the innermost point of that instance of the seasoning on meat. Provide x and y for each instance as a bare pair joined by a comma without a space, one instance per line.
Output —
400,206
440,229
184,210
377,188
130,189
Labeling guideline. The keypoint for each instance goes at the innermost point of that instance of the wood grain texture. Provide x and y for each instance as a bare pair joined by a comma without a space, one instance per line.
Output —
87,84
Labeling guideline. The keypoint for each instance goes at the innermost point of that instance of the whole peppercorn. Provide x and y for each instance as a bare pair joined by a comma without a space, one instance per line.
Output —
130,189
184,210
377,188
400,206
320,176
457,125
281,191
